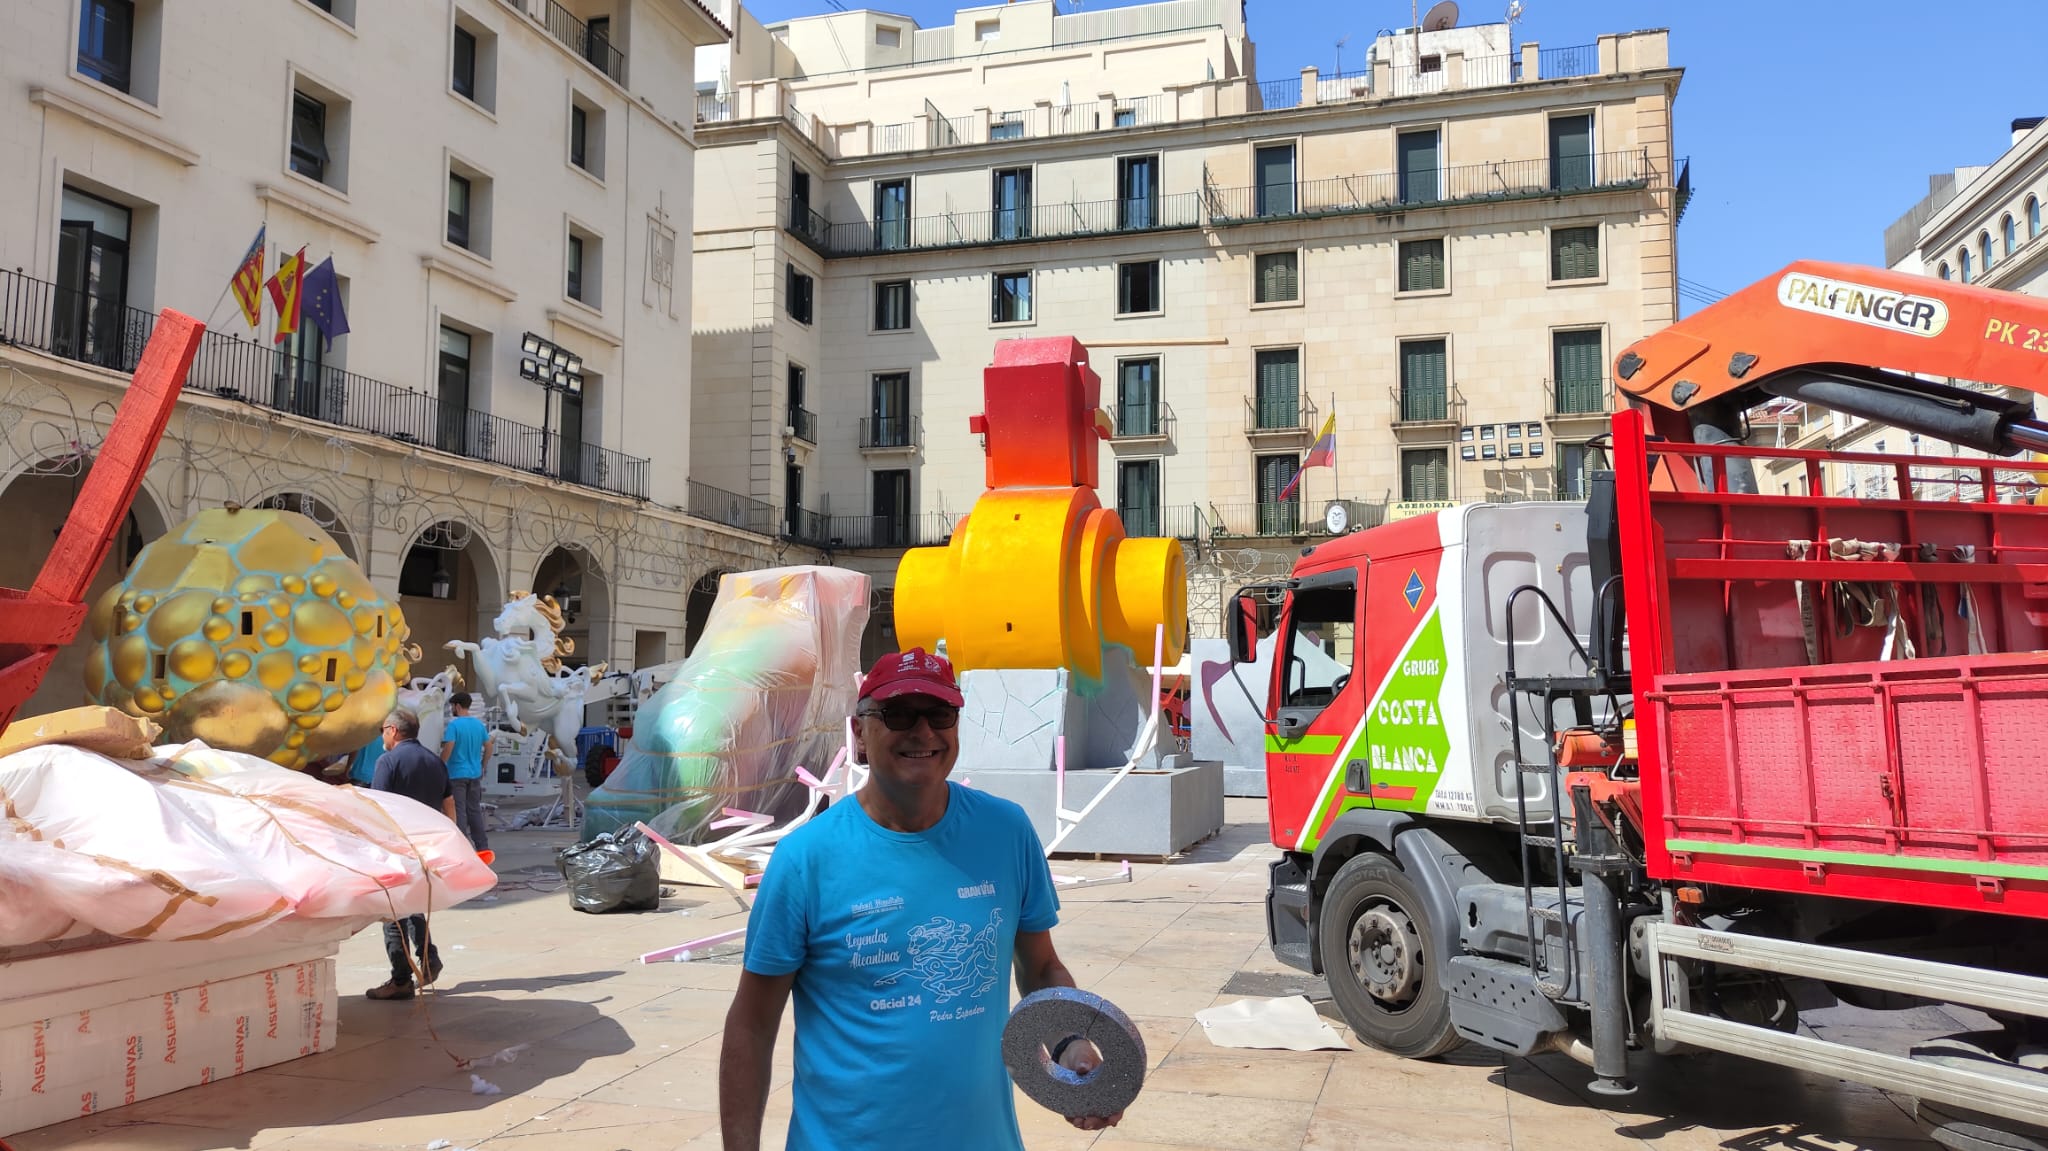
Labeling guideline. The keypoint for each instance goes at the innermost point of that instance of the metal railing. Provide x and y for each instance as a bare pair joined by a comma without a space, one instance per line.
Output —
895,137
810,226
1492,71
805,424
853,532
1138,111
47,318
593,46
1416,406
1415,80
891,433
1005,226
713,108
1279,415
731,509
1286,518
797,120
1457,184
1341,86
1564,63
1569,399
1172,522
947,131
1152,421
1275,95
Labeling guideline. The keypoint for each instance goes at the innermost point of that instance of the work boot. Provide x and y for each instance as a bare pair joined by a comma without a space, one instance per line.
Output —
390,989
433,970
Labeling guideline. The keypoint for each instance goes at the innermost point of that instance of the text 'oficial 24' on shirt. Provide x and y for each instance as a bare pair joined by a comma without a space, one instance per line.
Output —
901,944
466,758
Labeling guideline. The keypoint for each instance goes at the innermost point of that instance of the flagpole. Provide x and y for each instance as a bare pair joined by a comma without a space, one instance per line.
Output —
1336,483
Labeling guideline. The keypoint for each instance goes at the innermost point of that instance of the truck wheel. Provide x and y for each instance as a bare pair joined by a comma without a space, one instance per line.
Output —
1378,951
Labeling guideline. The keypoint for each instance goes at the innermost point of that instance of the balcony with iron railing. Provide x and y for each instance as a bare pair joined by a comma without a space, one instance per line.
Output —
830,532
1279,419
803,424
1143,423
889,435
1426,412
590,43
1587,398
1000,225
715,108
1286,518
1567,63
744,513
62,322
1172,522
1386,192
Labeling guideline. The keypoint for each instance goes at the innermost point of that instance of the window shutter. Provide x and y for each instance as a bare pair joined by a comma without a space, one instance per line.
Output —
1575,253
1418,155
1579,367
1279,386
1422,266
1424,380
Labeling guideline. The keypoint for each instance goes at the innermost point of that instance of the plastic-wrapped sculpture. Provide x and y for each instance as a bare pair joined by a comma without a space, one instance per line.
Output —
520,669
766,690
253,631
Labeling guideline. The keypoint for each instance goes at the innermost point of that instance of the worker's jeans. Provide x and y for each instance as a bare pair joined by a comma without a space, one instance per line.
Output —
469,810
413,929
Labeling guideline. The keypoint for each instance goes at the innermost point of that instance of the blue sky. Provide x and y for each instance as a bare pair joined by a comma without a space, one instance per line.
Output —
1810,124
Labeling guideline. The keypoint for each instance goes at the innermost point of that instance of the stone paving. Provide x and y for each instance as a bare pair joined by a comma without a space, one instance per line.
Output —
623,1056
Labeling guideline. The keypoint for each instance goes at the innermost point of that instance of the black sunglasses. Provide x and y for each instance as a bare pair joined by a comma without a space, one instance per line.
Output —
902,717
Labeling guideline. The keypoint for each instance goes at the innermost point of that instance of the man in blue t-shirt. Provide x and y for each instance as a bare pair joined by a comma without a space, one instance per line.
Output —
894,918
462,748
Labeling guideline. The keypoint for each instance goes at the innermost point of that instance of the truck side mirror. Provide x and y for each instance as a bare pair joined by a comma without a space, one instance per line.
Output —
1242,625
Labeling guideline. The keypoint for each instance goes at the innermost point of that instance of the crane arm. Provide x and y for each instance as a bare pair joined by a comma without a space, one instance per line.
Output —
1853,339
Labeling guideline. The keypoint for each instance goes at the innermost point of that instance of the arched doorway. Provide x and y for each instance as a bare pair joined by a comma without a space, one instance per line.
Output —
317,510
697,609
570,575
448,588
34,507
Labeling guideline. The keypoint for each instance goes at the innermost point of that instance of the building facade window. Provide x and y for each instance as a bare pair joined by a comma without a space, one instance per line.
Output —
1137,497
1276,278
892,508
1137,397
569,467
91,305
1417,157
2010,232
1425,380
1137,192
1572,473
1011,199
1273,169
1010,298
1425,474
1575,253
106,42
2033,217
458,210
579,136
452,428
465,63
575,287
888,36
1571,152
801,421
892,306
1946,273
1276,399
1578,372
309,137
892,214
1963,262
1275,515
889,408
1137,288
797,294
1984,248
1422,266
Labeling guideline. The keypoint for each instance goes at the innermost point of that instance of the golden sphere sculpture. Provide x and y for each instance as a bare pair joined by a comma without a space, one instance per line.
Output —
253,631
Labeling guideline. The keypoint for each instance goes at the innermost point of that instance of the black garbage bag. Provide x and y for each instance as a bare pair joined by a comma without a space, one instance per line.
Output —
617,871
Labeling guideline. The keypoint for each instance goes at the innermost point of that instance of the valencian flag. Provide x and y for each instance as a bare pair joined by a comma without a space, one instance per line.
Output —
285,293
248,281
1321,454
321,303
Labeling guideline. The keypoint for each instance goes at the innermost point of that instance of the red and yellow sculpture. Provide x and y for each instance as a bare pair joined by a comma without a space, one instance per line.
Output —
1039,574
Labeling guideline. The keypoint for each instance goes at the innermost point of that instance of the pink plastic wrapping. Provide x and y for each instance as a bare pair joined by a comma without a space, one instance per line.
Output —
206,844
766,690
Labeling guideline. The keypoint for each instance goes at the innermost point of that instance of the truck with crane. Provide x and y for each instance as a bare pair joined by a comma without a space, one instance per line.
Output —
1654,772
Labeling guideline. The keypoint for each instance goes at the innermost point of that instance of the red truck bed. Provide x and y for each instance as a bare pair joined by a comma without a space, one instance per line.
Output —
1779,747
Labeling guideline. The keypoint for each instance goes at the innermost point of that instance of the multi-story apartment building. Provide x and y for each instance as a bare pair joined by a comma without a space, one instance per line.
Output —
1980,225
498,183
1441,249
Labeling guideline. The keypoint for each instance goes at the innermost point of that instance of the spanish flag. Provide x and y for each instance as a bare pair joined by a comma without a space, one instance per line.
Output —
248,281
284,292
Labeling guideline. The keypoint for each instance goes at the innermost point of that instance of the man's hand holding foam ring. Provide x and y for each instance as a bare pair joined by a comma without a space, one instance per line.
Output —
1076,1054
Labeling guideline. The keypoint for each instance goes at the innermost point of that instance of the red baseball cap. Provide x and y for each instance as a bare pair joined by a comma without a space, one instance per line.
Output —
914,672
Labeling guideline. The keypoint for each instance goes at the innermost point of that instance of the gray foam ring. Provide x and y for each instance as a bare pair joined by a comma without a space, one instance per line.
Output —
1041,1020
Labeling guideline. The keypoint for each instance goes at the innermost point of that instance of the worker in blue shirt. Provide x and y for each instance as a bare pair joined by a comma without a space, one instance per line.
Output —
462,749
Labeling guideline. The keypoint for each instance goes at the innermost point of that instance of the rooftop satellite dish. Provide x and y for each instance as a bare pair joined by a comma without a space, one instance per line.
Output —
1443,15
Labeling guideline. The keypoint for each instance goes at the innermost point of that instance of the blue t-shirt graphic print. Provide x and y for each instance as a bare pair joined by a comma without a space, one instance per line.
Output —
901,944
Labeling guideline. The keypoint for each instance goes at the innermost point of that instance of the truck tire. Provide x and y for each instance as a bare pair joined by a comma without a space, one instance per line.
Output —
1374,933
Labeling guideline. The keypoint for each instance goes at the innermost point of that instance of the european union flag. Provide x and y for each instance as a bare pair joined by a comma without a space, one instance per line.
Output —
320,298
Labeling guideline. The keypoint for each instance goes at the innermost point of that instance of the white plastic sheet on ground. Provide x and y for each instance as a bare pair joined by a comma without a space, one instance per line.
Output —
766,690
206,844
1288,1023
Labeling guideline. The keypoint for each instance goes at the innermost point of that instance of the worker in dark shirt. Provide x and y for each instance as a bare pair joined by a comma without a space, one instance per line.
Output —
409,769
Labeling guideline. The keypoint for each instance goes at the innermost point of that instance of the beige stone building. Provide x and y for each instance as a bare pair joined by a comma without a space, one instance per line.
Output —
1442,249
479,171
1980,224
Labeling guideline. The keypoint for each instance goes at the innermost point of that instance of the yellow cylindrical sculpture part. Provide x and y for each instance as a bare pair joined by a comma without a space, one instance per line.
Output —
1042,577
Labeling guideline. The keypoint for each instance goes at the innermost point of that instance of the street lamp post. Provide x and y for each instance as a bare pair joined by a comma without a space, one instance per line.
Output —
555,369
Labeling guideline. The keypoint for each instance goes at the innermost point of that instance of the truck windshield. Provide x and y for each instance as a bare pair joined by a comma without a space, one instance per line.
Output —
1319,645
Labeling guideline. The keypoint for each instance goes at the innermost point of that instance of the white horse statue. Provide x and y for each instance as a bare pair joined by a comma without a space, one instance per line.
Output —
428,699
520,670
